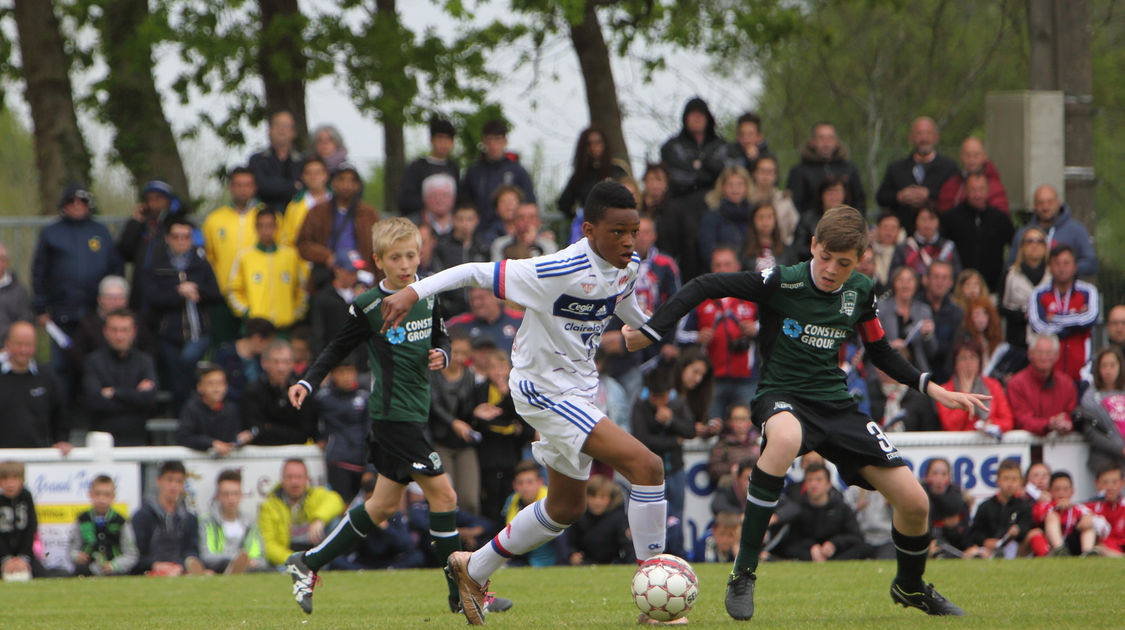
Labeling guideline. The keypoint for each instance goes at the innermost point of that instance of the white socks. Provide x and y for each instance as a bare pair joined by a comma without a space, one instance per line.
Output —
527,531
648,520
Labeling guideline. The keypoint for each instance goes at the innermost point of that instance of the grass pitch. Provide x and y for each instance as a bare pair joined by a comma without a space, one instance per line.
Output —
1025,594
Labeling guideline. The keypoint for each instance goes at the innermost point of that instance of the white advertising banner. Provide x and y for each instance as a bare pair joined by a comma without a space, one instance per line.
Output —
259,476
62,492
973,459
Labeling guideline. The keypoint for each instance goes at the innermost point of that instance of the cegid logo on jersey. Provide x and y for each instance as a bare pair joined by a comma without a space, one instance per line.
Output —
583,309
813,335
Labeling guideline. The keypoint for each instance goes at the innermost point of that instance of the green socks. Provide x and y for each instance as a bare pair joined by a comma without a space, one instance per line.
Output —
443,529
761,500
353,528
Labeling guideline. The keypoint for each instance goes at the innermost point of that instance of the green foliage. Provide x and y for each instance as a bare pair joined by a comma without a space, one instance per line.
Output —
872,67
1108,48
373,186
18,176
846,595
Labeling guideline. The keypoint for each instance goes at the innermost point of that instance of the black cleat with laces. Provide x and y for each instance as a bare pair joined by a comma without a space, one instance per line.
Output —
740,594
928,601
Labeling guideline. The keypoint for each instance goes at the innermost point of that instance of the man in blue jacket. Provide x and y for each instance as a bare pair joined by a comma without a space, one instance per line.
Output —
1056,220
71,258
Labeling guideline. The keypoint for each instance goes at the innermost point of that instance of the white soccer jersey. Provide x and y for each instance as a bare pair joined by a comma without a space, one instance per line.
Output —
569,296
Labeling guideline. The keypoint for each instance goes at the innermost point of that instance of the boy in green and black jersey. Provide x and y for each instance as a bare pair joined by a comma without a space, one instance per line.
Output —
802,404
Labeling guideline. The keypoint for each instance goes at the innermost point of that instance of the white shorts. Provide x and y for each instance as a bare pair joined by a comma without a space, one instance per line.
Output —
563,422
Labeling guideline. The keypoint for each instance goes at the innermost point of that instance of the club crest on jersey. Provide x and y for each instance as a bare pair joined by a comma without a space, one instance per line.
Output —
621,281
791,328
847,302
430,302
396,335
589,287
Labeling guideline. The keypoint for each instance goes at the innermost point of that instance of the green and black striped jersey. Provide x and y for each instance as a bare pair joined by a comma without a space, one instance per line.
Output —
801,327
399,359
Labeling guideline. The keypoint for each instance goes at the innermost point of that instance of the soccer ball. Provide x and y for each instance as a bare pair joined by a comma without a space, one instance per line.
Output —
664,587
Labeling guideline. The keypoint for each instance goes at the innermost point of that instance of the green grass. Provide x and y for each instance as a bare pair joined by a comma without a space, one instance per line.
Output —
1024,594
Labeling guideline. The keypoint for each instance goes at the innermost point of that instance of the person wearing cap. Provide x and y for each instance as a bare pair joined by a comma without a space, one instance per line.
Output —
277,168
339,228
495,168
410,190
72,256
144,232
693,160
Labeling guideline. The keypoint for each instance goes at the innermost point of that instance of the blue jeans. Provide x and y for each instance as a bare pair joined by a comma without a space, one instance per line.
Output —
730,391
675,484
178,364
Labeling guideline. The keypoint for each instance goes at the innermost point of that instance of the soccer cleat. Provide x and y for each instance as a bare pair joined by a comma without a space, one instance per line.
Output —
492,603
740,594
928,601
472,594
304,580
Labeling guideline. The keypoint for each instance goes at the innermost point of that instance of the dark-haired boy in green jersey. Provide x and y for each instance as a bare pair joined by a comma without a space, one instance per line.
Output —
802,404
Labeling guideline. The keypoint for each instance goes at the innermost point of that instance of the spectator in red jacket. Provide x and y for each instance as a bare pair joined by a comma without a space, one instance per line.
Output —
974,159
1042,396
1068,308
967,378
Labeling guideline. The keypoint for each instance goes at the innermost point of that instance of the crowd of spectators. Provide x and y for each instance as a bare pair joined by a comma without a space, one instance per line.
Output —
225,309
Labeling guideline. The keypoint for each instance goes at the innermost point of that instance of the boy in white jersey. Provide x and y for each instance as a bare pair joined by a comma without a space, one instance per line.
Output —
569,297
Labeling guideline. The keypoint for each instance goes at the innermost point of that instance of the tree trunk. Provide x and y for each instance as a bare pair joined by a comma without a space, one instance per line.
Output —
393,114
282,62
1072,27
601,92
60,152
144,139
1041,71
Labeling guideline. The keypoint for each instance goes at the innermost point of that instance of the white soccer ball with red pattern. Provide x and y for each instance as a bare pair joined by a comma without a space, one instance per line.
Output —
664,587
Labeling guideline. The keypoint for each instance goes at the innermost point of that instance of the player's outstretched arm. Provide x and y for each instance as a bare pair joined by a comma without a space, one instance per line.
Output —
396,307
743,285
356,330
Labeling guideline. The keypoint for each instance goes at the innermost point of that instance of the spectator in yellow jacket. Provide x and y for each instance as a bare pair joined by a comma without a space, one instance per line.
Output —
296,514
230,229
314,175
268,280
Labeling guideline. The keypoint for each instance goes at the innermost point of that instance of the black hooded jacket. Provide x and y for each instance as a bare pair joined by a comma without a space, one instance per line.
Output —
693,166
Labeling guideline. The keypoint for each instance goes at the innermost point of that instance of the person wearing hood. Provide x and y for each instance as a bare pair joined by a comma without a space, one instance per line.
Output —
15,302
496,167
693,160
71,258
144,231
1055,219
821,156
728,213
915,180
593,162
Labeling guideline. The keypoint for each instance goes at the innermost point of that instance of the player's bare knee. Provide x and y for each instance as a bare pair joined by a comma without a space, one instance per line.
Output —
646,469
913,507
443,500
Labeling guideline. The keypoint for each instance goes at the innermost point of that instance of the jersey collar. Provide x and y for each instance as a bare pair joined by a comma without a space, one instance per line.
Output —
812,281
384,289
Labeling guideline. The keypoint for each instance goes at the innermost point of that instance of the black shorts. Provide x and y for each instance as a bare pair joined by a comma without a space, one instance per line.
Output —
400,450
837,430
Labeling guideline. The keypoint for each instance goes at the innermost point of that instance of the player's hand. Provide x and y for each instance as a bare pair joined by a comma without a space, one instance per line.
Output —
297,395
634,339
395,307
957,400
437,359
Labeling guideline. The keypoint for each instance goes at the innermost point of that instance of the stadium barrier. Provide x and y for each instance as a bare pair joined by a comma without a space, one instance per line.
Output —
60,485
973,456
